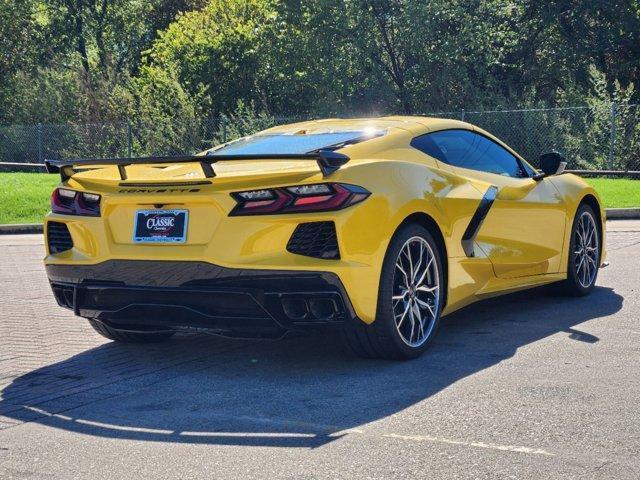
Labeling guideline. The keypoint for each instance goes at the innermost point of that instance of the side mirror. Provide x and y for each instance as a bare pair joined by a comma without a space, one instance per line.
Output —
551,164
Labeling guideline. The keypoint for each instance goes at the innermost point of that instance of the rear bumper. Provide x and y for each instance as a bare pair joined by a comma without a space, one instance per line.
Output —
176,295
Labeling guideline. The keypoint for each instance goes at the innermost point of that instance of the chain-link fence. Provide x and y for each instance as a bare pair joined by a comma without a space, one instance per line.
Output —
603,138
592,138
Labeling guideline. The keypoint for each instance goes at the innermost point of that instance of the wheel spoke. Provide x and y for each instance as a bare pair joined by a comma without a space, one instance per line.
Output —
579,232
413,322
422,288
421,323
589,236
425,305
403,315
424,274
417,266
411,274
584,274
583,262
396,299
416,310
417,316
399,267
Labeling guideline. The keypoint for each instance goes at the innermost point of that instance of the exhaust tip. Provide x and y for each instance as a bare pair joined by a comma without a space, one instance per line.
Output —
296,308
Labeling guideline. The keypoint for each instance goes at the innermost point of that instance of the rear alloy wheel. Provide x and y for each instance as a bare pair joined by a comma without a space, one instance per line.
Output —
416,292
127,336
584,253
409,300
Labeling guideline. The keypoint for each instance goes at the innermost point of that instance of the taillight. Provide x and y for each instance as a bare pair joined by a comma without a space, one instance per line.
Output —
70,202
321,197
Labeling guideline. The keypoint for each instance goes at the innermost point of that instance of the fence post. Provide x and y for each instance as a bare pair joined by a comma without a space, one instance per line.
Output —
612,140
39,137
462,115
129,139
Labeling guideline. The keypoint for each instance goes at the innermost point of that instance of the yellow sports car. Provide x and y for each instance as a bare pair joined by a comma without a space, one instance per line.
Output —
377,227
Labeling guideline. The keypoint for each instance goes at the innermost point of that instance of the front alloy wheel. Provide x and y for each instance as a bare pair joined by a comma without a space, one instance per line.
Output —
584,253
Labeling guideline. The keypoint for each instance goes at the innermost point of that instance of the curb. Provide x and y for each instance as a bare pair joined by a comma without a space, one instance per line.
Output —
24,228
20,228
623,213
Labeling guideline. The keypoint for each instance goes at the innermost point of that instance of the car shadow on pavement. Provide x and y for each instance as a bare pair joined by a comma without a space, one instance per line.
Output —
297,392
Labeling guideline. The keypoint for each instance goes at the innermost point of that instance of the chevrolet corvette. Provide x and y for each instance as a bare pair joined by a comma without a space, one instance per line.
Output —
376,227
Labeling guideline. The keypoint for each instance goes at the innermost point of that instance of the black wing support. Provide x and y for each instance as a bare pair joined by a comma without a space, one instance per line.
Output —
328,162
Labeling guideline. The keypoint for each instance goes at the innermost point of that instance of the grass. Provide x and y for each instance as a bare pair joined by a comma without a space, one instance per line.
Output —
24,197
617,192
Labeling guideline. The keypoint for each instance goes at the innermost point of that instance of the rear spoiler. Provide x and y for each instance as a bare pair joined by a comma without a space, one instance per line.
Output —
328,162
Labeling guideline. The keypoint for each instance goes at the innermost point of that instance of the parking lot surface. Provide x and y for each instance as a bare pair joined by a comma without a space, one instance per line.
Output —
532,385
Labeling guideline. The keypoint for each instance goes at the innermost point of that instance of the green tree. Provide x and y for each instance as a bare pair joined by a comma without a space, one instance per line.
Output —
102,59
214,52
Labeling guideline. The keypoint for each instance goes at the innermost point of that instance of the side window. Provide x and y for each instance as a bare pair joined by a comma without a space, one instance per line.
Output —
425,144
467,149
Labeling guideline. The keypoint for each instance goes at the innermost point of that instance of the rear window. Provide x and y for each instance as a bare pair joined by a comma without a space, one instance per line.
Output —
293,144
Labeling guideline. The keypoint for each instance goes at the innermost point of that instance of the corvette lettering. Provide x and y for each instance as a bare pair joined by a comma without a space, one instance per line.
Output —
159,190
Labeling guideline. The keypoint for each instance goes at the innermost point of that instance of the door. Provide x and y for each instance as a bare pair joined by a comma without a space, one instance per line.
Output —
520,223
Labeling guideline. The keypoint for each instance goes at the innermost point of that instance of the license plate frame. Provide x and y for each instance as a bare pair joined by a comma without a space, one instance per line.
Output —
169,227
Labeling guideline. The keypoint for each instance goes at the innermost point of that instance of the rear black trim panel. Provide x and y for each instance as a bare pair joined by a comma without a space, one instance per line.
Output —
191,294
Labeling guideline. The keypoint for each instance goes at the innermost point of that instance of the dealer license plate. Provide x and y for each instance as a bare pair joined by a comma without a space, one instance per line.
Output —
160,226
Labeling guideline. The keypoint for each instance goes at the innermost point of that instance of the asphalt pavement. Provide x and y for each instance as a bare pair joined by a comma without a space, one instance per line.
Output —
532,385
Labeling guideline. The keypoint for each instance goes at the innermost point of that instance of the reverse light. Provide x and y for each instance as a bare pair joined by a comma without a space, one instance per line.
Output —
257,195
310,189
321,197
70,202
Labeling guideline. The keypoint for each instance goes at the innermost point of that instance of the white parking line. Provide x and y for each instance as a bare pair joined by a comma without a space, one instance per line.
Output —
491,446
314,429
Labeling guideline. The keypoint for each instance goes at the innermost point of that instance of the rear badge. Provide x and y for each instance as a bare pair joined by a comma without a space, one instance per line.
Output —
160,226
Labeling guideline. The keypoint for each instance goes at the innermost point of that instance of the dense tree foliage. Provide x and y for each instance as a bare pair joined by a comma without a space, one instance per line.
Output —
166,62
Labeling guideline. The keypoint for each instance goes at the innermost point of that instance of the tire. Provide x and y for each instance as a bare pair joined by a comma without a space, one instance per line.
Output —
125,336
584,254
396,334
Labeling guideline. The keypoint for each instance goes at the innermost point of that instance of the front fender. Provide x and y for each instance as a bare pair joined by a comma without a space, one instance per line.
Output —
574,190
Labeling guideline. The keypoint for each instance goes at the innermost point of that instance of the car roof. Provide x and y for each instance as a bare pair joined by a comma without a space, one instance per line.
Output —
394,126
411,123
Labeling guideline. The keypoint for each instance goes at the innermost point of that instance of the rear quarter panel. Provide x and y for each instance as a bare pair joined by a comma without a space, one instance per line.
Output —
402,188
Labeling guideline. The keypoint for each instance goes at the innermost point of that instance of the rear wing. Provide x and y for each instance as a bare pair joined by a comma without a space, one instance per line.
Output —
328,161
